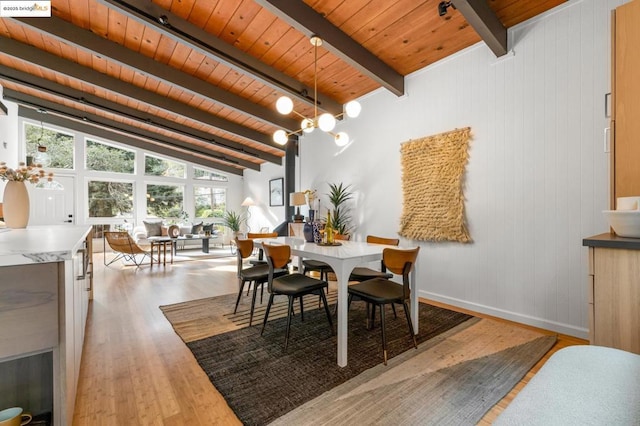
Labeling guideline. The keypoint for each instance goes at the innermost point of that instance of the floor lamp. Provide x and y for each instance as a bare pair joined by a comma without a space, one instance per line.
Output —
248,202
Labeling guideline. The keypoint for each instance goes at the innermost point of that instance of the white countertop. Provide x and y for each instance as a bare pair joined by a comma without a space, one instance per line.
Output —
40,244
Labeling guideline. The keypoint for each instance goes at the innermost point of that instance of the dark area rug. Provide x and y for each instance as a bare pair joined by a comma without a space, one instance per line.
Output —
261,382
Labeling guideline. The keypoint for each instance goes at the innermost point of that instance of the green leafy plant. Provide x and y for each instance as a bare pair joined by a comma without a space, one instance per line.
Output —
339,194
233,220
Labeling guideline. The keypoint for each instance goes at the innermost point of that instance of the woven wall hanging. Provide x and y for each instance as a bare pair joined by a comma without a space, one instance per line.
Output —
432,176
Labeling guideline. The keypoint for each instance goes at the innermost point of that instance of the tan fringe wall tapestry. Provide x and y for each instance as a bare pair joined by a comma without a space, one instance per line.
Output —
432,175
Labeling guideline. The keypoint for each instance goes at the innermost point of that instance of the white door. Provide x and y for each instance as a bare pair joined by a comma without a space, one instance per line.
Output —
53,207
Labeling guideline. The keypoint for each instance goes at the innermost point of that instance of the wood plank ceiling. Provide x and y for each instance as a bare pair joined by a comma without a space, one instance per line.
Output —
198,79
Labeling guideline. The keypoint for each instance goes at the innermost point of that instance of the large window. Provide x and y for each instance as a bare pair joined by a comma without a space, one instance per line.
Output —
210,202
110,199
106,158
156,166
51,148
165,201
202,174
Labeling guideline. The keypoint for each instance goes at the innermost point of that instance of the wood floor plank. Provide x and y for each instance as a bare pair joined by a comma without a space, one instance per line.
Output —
136,370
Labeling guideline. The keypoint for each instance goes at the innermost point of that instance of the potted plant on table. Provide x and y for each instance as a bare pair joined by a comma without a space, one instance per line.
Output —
339,194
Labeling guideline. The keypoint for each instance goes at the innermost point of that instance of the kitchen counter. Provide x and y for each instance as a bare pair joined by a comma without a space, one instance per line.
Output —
45,291
608,240
40,244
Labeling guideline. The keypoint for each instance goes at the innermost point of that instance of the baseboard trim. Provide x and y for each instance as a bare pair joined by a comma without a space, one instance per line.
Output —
570,330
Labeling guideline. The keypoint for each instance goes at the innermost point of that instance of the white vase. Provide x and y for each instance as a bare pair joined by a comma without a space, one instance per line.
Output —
15,205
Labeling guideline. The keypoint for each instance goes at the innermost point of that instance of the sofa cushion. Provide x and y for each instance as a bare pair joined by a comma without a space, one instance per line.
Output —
154,229
196,228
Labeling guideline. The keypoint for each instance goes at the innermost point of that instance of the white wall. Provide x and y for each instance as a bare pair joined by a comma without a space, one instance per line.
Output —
256,186
537,177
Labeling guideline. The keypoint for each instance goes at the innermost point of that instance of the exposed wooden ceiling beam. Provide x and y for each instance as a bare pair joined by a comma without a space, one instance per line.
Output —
480,16
130,135
47,60
310,22
94,44
56,89
184,32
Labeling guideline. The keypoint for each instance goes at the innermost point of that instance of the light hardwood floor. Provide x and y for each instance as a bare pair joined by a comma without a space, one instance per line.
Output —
136,370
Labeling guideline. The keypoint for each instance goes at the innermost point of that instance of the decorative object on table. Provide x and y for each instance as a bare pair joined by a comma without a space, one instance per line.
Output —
326,121
432,174
173,231
276,191
318,230
311,201
328,231
339,194
297,199
16,198
307,231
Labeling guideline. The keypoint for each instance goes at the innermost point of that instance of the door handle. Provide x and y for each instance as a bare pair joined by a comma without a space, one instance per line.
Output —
68,221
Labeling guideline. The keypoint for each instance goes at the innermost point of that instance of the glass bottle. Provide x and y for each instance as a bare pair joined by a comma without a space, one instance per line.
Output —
328,230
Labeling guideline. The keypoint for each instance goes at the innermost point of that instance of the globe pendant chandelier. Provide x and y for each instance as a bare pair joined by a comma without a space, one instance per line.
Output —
325,122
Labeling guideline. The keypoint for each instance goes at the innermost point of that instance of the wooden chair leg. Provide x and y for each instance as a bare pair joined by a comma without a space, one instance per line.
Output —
266,314
413,335
286,336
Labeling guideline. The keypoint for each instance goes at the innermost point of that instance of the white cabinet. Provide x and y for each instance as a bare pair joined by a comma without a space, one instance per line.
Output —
43,314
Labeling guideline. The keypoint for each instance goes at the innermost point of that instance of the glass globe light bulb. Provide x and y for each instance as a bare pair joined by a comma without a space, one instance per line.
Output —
284,105
353,109
42,158
342,139
307,125
280,137
326,122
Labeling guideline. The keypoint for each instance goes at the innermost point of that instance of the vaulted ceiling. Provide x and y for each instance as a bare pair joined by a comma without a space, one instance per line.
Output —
198,79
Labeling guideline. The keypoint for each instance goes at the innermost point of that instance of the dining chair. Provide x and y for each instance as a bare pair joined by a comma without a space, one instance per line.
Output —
294,286
125,247
256,274
323,268
260,254
361,273
382,291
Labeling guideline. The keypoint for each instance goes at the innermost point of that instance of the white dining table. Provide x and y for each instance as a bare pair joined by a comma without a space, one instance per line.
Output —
342,259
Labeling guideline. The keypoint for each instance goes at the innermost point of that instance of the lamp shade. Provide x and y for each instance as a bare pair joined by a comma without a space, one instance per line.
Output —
248,202
297,199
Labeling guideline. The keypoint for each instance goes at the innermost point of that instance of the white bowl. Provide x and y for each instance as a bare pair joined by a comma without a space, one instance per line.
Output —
628,203
625,223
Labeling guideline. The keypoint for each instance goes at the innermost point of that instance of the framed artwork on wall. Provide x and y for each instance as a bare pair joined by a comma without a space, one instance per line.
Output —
276,189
